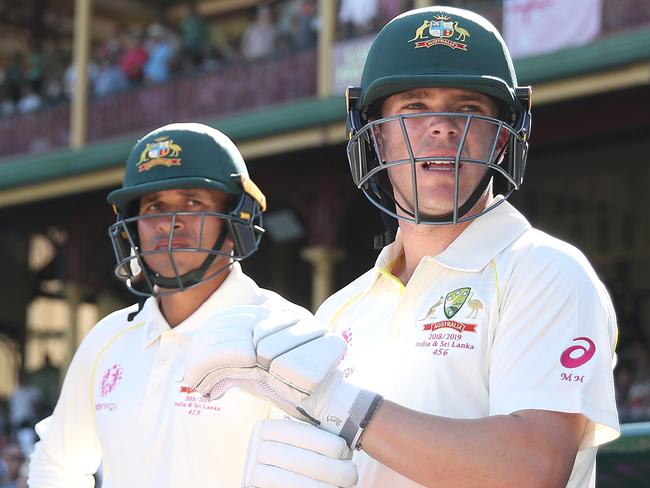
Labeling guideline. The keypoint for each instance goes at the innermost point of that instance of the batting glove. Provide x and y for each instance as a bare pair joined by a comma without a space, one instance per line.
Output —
282,357
288,454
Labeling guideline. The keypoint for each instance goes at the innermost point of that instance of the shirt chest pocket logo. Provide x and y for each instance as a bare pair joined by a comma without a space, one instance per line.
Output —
450,323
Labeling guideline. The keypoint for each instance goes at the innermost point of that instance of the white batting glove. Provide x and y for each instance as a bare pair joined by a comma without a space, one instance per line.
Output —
288,454
282,357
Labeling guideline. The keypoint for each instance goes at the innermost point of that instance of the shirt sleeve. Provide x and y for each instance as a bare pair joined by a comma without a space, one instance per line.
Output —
68,452
553,347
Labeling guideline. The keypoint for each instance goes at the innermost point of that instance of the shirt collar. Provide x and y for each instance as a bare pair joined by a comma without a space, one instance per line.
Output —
386,262
236,289
474,248
390,254
484,238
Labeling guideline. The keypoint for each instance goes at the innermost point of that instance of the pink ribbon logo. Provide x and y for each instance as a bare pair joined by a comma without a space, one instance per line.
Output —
110,379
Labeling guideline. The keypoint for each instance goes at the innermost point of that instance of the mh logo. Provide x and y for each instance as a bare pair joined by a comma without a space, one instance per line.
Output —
578,354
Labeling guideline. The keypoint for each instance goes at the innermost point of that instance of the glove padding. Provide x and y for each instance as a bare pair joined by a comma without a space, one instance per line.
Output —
289,454
282,357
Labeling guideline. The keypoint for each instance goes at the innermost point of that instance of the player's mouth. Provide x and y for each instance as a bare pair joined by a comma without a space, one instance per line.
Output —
436,165
175,244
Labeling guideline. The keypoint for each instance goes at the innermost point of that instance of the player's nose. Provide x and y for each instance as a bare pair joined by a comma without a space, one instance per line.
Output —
169,223
445,126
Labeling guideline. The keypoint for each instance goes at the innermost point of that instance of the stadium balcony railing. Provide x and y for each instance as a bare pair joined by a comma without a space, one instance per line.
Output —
229,90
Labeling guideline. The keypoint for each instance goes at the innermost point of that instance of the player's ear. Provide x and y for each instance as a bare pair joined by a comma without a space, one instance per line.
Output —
504,135
379,137
503,114
228,245
374,113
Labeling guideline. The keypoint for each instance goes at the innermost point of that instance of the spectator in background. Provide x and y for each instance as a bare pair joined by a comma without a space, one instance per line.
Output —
297,25
624,379
134,57
161,54
24,403
639,401
226,36
70,76
194,38
7,106
5,426
358,17
633,370
48,379
25,437
56,60
286,21
306,29
287,14
31,101
110,77
25,409
36,68
14,78
260,36
12,466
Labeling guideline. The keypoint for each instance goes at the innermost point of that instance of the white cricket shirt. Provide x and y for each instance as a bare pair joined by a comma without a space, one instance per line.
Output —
122,404
507,318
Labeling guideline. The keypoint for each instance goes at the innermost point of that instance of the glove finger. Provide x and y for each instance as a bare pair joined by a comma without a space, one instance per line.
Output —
244,316
306,437
307,366
225,348
265,476
285,339
335,472
273,323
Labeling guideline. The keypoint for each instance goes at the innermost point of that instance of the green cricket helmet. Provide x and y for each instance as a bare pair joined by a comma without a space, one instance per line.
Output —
184,156
437,47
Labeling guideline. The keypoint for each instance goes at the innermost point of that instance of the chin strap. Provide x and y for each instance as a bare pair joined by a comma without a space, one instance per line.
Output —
386,200
132,315
468,205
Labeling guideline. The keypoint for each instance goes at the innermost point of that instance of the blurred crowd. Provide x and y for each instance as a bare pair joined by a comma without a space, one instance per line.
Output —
32,400
632,373
633,384
147,55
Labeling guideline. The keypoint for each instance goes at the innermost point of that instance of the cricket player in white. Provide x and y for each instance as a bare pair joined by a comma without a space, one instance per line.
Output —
186,214
480,350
